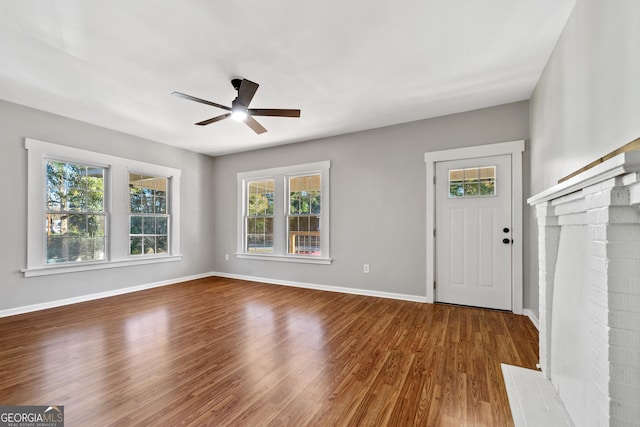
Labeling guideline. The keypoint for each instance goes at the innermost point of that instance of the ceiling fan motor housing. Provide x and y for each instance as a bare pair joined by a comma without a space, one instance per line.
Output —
236,83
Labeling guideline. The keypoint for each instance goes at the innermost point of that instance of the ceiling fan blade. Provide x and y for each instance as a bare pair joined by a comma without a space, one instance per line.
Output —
202,101
246,91
213,120
279,112
253,124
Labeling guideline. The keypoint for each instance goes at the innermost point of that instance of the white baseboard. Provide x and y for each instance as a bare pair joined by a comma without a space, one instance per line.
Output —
90,297
531,315
340,289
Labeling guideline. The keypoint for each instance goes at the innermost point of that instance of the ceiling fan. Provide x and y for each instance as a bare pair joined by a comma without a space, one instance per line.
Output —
239,109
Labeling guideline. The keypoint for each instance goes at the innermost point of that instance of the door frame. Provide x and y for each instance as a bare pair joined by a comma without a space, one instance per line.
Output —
515,150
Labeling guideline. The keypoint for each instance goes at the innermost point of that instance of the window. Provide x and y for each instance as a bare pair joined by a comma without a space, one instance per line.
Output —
88,210
303,216
472,182
285,214
75,215
149,219
259,216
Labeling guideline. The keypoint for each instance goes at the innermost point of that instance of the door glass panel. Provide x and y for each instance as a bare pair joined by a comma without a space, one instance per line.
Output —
472,182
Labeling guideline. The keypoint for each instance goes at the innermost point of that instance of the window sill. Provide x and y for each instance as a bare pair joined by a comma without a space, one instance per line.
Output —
285,258
88,266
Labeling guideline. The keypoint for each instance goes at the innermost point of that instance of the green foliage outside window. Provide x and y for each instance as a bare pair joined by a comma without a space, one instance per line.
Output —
76,221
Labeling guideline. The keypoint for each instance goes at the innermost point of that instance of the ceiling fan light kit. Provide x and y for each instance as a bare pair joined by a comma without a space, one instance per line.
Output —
239,109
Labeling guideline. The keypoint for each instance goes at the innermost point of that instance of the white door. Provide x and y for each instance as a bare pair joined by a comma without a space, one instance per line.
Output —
473,232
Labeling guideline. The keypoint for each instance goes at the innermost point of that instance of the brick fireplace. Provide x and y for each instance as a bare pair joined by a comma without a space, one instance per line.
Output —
589,287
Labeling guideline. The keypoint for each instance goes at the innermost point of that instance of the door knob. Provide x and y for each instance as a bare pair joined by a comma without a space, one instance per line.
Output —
505,230
506,241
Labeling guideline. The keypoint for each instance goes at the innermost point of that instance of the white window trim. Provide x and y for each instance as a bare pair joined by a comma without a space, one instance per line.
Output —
116,207
280,176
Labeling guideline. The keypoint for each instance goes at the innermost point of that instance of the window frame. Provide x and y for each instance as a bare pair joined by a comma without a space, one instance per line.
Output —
247,216
167,215
116,208
105,212
281,176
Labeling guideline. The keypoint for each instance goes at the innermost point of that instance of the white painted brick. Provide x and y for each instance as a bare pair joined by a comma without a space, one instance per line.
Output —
599,306
625,392
597,264
570,207
624,285
597,232
621,232
613,284
547,221
623,302
600,380
600,357
623,215
600,331
625,413
597,248
601,314
618,196
625,320
624,337
623,249
573,219
634,194
601,186
625,374
613,215
599,411
599,281
621,267
622,356
630,179
567,198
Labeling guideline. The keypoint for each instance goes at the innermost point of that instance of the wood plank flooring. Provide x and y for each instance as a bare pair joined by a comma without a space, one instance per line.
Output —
227,352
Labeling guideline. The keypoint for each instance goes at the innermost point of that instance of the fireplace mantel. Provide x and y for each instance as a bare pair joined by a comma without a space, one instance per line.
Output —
589,289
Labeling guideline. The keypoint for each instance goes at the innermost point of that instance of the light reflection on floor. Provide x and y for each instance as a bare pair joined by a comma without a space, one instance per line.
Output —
265,352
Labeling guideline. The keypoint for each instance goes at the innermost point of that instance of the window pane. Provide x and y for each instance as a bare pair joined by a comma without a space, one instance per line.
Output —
135,199
149,230
79,237
148,225
304,235
456,189
74,187
488,172
161,225
471,188
303,220
472,182
135,225
259,235
135,247
260,197
161,245
149,244
487,188
304,194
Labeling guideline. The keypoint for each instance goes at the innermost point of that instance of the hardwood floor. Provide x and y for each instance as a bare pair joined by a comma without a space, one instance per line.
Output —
227,352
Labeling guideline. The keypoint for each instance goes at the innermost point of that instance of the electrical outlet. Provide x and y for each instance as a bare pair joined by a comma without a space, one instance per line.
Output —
226,257
365,268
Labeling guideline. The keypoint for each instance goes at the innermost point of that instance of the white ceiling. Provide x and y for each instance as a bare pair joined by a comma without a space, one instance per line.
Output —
348,65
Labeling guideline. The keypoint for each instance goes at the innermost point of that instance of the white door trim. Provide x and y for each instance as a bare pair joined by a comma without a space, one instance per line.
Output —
513,148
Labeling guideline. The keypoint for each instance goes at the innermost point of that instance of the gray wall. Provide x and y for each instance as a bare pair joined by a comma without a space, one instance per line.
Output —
587,102
377,198
18,122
